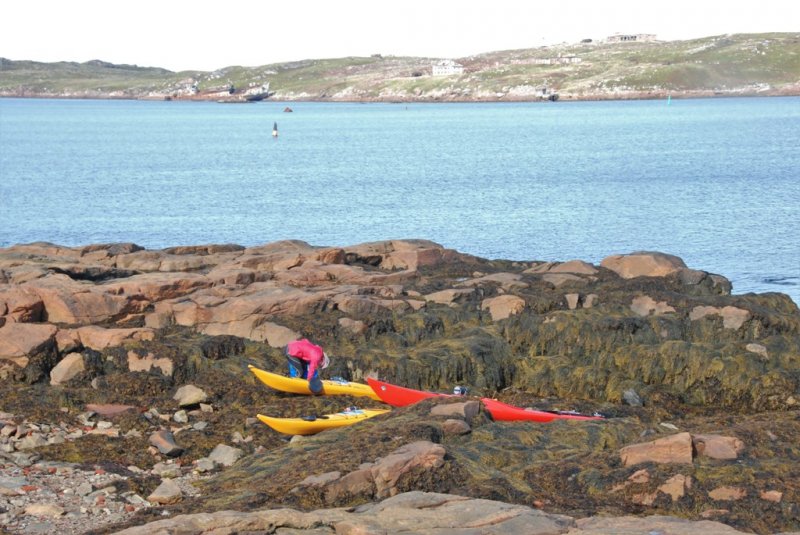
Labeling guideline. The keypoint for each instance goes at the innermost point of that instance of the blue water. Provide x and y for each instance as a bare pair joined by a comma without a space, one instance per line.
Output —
715,182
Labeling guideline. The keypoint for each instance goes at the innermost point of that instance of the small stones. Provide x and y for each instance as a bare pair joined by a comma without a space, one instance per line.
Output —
84,489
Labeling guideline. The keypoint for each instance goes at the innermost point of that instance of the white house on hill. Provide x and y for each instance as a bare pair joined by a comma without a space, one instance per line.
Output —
447,67
627,38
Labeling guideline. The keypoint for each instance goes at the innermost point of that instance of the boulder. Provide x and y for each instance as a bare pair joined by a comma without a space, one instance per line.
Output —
405,254
109,249
320,480
137,363
267,300
449,297
233,276
651,525
158,286
644,305
771,495
455,426
732,317
676,486
367,306
410,512
576,267
225,455
676,448
572,300
332,256
507,281
380,478
643,264
168,492
758,349
47,510
503,306
466,410
79,302
422,454
632,398
66,369
560,279
252,328
352,326
99,338
359,482
109,409
205,250
727,493
717,446
164,440
189,395
21,341
67,340
19,305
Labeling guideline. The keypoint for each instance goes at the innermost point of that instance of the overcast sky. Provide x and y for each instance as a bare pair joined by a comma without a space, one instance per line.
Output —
182,35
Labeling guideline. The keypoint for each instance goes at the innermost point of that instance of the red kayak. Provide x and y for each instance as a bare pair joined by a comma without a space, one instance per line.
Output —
509,413
399,396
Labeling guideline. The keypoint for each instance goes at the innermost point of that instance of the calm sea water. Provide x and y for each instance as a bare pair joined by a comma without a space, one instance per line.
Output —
716,182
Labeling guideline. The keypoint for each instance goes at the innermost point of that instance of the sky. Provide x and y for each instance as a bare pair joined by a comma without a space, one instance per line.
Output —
182,35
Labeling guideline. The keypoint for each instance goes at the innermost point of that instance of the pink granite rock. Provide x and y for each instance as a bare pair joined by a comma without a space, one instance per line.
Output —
676,448
643,264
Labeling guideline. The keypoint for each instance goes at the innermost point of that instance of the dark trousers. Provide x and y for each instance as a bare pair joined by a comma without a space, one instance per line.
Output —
297,367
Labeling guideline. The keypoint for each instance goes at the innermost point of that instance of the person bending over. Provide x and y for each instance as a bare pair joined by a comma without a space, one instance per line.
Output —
305,360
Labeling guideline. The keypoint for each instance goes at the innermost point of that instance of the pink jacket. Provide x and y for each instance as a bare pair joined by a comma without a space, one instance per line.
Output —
305,350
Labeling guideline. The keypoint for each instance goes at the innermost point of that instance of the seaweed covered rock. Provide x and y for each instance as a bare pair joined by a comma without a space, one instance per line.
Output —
661,349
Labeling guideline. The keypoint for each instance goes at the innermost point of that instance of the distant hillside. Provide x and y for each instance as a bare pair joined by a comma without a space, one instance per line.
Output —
742,64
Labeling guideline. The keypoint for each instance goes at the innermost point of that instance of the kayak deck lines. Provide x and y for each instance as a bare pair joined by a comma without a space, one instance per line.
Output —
309,425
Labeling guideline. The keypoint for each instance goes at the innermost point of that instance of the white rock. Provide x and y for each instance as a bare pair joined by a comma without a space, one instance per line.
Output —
190,395
225,455
49,510
168,492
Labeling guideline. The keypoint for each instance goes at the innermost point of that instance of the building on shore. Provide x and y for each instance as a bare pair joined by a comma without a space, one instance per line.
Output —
631,37
447,67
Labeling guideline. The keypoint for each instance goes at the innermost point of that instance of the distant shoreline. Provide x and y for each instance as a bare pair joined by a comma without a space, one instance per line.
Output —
682,95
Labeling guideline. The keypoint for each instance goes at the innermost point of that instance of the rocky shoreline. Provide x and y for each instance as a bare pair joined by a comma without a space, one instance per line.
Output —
456,97
127,404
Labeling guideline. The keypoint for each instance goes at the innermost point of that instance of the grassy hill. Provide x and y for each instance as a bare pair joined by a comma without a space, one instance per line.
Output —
741,64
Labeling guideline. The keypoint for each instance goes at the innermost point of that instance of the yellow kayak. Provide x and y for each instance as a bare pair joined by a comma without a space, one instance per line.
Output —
314,424
296,385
